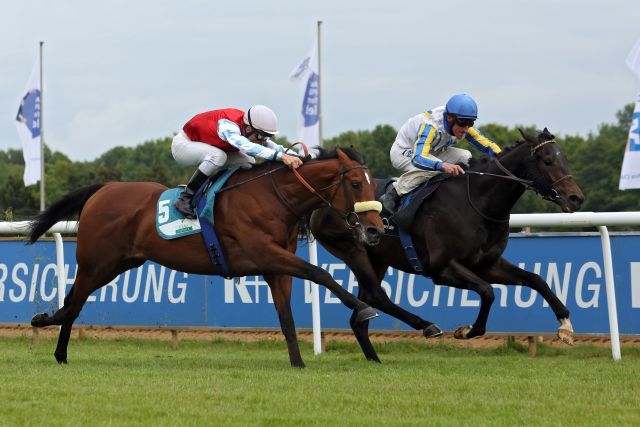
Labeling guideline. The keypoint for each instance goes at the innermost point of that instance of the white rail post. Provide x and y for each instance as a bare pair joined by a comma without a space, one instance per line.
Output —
611,293
62,276
315,302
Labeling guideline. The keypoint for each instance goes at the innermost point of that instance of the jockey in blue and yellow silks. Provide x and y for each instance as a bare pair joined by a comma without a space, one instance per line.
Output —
424,146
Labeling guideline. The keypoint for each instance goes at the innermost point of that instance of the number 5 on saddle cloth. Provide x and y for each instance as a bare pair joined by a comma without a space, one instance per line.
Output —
172,224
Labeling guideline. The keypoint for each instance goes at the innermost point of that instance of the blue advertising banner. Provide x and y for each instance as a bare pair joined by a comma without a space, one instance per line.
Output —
153,295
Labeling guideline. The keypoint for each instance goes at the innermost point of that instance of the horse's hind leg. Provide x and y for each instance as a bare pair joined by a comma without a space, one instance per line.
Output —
505,272
78,297
42,320
281,291
64,317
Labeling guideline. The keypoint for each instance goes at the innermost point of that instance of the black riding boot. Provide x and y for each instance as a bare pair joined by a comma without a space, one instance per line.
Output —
390,199
183,202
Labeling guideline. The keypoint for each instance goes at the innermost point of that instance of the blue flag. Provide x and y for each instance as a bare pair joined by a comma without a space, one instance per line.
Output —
28,126
307,75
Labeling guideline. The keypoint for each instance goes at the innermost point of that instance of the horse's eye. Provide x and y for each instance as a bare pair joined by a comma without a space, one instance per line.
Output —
547,162
356,184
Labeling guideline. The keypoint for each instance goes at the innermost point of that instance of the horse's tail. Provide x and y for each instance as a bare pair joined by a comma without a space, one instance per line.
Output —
69,205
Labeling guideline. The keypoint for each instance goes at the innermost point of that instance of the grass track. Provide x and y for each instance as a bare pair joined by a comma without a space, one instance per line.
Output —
144,382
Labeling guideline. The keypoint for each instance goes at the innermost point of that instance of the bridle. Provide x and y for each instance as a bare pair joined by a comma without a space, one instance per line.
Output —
350,216
551,195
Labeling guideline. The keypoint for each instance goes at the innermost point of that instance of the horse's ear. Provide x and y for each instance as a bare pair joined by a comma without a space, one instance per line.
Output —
528,138
342,155
545,135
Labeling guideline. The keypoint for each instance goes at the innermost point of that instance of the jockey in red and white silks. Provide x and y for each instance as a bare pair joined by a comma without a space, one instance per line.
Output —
225,138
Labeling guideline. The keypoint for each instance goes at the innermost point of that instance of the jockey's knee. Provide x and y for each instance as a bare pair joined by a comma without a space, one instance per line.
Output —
465,157
213,162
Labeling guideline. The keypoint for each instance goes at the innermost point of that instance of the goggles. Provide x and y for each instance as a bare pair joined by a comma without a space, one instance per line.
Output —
464,122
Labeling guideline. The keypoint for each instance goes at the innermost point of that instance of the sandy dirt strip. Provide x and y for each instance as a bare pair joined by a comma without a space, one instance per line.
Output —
177,334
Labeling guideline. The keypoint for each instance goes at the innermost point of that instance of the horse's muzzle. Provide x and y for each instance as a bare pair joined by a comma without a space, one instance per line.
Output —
571,203
371,236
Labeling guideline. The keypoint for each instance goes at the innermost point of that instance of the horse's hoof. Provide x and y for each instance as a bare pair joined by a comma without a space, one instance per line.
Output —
462,333
61,359
366,313
432,331
39,320
566,336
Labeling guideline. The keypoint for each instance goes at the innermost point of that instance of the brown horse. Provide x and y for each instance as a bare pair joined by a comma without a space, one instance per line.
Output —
459,235
256,222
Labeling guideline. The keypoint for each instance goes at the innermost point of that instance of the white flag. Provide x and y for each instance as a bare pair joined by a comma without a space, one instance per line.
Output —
28,125
630,174
307,74
633,59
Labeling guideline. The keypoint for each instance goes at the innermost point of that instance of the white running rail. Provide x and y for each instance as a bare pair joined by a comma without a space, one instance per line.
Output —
579,219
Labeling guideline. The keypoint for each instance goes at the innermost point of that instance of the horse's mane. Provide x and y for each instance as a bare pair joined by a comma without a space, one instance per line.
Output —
531,171
353,154
477,163
481,162
323,154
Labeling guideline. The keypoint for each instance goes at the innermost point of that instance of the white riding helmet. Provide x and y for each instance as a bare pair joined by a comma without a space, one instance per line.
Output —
262,118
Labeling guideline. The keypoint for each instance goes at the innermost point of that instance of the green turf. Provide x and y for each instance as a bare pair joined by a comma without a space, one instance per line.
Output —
144,382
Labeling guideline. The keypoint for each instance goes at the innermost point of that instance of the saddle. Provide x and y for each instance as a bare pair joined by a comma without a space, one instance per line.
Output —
409,203
399,223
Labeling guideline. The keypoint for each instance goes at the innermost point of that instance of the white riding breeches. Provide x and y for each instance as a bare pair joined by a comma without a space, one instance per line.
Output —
209,159
412,176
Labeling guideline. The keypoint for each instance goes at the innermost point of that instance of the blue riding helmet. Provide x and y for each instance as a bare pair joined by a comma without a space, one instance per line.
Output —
463,106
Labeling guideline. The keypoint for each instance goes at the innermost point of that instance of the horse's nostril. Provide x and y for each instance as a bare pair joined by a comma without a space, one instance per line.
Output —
373,232
576,199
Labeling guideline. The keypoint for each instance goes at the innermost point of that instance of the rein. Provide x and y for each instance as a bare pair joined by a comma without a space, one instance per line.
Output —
306,153
529,185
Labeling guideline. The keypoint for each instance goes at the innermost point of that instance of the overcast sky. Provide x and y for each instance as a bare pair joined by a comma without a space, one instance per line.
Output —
123,72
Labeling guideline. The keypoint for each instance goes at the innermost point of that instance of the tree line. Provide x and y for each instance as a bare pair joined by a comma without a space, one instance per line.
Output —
595,162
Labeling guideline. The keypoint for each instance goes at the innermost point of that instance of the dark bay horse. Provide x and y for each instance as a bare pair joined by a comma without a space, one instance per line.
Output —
460,234
256,224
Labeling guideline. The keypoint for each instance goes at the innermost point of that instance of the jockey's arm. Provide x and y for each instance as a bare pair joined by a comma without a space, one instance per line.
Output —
481,142
230,132
420,158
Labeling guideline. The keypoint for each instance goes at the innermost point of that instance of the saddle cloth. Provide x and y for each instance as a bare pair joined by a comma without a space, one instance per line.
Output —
172,224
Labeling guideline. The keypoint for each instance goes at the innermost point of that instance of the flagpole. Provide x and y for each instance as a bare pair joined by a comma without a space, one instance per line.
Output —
41,134
319,91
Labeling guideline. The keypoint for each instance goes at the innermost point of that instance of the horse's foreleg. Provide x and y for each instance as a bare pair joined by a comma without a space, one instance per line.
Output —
281,291
459,276
277,260
505,272
361,332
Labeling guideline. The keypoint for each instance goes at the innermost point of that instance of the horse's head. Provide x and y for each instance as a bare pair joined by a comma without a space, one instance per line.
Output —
355,196
550,175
